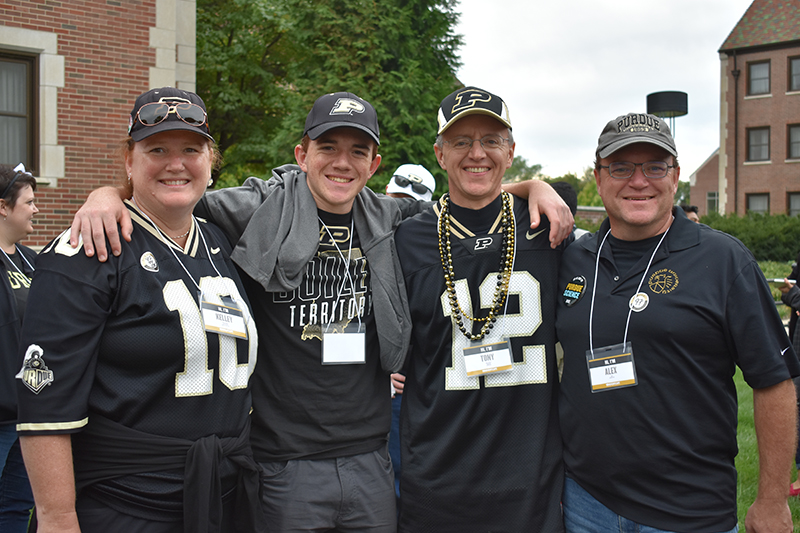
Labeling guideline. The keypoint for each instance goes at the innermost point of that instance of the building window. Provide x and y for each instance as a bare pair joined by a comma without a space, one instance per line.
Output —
758,144
17,110
712,202
793,141
794,73
758,78
793,202
758,203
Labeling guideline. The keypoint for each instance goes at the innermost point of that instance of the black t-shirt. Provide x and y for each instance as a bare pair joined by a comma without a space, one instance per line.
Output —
302,408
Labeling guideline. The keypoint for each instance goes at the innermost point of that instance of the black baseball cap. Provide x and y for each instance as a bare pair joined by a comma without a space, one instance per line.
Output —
172,122
635,128
471,101
342,110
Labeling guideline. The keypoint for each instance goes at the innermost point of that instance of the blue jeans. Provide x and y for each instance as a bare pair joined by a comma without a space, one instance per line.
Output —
16,499
584,514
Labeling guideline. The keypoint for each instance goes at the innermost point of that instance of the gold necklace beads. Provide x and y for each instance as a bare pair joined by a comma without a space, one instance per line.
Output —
503,276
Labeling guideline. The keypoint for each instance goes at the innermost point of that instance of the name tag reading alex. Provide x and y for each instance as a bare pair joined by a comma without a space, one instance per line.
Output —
611,367
345,348
225,319
488,358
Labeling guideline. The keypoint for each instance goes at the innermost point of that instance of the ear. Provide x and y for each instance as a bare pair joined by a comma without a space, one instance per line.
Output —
3,208
373,167
300,156
597,182
128,163
510,156
677,178
439,156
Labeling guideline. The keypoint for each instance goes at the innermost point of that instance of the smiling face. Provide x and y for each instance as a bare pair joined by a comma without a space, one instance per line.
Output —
475,176
169,172
19,218
338,164
638,207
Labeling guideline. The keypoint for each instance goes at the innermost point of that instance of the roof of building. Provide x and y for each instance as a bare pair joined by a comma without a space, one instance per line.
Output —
765,22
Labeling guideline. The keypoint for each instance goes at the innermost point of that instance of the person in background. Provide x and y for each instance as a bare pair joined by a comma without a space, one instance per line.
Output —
408,181
790,295
411,181
567,193
134,391
691,213
17,208
655,314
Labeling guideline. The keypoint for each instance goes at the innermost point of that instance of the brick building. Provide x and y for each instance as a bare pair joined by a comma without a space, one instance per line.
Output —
757,166
69,73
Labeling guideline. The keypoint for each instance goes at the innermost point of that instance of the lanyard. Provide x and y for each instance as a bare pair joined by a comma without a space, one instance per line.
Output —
167,244
346,271
14,264
639,288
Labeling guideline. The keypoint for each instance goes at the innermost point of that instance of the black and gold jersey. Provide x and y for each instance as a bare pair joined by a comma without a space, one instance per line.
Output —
125,339
480,453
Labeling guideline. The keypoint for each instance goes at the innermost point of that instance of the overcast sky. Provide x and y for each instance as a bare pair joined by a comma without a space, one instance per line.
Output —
566,68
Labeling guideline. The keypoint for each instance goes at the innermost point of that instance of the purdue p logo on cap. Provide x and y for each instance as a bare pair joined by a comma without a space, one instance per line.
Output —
471,101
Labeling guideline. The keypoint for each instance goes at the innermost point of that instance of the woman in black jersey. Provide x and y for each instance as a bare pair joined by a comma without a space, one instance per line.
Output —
17,209
135,371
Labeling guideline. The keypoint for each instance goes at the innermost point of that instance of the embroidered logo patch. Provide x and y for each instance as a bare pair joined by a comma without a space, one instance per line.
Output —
573,292
148,262
35,374
663,281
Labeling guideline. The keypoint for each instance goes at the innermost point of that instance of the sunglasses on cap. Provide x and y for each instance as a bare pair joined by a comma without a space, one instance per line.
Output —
157,112
417,187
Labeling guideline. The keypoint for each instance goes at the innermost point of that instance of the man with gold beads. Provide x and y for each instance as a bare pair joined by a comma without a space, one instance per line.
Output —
481,447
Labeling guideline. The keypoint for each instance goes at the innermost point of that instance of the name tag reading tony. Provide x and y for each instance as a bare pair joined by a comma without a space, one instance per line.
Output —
488,358
611,367
225,319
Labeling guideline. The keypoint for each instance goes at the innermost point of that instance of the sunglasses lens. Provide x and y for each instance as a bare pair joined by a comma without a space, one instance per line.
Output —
152,114
419,188
191,114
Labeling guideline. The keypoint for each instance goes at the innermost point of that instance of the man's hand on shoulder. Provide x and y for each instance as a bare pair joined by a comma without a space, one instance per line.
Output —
98,218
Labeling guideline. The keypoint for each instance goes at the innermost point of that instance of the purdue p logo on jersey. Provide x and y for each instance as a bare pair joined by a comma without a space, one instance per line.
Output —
148,262
35,374
347,106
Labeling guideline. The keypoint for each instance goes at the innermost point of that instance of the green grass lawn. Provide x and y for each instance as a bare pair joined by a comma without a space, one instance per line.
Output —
747,460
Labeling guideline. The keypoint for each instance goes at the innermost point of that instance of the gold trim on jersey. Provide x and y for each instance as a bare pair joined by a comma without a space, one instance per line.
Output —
52,426
460,231
192,242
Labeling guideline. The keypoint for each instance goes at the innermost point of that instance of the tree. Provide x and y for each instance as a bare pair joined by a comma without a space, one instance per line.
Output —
521,171
271,59
682,194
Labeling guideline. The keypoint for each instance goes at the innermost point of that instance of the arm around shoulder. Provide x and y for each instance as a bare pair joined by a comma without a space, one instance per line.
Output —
542,198
98,218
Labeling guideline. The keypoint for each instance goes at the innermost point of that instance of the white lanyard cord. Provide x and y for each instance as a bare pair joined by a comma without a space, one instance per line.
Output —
639,288
23,258
168,245
346,272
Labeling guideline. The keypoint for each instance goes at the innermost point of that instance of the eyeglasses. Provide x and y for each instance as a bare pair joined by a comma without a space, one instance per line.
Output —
623,170
157,112
416,186
489,142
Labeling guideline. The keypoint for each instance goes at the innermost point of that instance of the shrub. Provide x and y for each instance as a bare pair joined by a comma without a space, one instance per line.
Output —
769,237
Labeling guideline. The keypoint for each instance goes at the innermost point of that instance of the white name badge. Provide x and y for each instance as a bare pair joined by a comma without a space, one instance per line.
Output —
611,367
488,358
226,319
344,348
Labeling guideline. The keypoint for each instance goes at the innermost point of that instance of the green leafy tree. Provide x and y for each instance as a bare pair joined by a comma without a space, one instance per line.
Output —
280,55
589,195
682,194
521,170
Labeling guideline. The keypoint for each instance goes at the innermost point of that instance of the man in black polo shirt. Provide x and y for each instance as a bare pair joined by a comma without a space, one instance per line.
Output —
654,315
